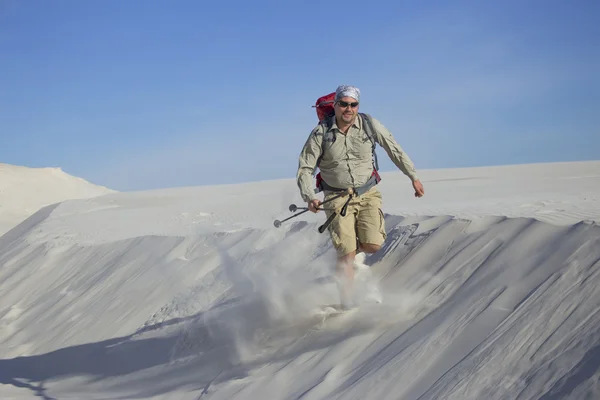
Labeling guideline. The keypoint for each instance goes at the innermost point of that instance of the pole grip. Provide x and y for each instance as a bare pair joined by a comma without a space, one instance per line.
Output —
327,222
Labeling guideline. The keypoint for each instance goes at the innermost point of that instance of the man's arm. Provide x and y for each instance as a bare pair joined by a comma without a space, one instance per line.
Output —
307,162
393,150
397,155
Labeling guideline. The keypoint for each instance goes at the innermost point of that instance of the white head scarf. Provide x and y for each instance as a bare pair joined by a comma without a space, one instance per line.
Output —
347,91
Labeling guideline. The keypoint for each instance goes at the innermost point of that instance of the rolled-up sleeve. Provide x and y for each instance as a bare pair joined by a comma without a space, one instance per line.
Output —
394,150
307,163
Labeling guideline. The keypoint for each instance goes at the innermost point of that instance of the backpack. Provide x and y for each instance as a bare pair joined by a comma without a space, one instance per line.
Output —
324,106
326,113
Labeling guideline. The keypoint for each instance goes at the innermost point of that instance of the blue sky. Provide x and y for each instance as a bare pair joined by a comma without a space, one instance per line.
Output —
152,94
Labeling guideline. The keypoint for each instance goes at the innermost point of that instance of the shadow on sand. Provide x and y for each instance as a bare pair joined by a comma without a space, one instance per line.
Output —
195,352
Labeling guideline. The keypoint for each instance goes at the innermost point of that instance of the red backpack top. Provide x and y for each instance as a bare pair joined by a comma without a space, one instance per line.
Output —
324,106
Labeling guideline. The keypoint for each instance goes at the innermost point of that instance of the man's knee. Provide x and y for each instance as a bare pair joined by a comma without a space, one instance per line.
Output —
369,247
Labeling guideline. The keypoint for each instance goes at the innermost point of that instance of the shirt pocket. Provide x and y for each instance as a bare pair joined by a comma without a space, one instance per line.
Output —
361,148
335,151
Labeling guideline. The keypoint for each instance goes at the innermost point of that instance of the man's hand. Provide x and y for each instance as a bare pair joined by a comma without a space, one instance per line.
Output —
313,205
418,186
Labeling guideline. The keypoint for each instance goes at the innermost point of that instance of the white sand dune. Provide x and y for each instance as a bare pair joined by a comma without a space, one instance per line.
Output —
491,288
24,190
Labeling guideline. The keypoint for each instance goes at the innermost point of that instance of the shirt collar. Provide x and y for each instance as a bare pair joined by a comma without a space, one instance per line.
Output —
357,123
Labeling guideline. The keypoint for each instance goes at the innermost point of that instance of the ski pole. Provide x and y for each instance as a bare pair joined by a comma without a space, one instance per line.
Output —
294,208
277,223
342,212
327,222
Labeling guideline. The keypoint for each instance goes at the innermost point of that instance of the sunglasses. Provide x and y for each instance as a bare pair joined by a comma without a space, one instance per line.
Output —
344,104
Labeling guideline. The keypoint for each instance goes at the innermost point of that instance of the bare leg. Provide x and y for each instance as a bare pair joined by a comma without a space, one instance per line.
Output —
345,272
370,287
369,247
366,248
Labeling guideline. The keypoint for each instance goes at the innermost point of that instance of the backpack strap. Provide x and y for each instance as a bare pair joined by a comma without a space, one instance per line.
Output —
370,131
328,136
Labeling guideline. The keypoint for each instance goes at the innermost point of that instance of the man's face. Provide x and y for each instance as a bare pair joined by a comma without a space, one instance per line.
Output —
346,109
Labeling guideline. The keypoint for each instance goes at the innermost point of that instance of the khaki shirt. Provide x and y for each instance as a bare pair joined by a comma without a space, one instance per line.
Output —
348,161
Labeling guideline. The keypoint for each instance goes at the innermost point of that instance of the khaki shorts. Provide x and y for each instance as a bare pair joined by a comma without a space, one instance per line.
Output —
363,223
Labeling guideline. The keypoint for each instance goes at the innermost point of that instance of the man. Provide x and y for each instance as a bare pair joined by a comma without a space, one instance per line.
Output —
347,163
